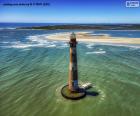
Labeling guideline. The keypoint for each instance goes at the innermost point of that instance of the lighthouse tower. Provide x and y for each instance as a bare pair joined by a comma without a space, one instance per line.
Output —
72,90
73,74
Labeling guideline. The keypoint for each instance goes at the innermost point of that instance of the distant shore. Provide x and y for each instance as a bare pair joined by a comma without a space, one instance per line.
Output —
87,37
87,26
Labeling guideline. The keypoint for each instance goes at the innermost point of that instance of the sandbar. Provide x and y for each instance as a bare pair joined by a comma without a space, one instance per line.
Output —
97,38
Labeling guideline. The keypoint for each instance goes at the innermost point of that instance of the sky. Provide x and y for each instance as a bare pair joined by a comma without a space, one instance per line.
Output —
70,11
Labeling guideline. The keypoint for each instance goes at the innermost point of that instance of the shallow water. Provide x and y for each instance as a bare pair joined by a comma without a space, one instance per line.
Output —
33,70
120,33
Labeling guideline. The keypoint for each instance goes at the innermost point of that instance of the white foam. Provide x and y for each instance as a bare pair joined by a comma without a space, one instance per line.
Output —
100,49
111,44
5,42
21,45
34,41
51,46
125,45
11,28
96,52
38,39
100,34
90,45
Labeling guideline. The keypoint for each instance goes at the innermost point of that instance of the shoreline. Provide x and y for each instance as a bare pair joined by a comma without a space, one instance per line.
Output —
87,37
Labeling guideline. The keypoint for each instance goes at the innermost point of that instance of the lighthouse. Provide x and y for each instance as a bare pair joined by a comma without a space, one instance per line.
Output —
73,71
72,90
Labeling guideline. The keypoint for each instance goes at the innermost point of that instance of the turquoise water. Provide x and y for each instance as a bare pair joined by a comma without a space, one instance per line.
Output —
33,70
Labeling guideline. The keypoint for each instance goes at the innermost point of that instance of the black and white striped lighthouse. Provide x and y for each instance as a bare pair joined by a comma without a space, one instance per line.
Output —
72,90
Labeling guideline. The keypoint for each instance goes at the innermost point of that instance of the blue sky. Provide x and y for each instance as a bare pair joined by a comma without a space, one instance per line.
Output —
70,11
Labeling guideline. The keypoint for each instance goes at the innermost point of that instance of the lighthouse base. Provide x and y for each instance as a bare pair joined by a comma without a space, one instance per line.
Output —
80,93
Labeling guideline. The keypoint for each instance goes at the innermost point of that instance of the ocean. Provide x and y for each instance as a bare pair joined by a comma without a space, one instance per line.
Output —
33,70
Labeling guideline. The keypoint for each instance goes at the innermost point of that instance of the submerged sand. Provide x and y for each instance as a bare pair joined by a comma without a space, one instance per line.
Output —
88,37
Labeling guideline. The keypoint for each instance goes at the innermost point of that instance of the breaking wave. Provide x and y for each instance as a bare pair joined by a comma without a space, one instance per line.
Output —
7,28
35,41
96,52
91,45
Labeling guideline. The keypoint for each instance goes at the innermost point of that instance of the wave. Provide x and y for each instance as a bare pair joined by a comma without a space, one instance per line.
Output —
124,45
96,52
7,28
38,38
101,34
51,46
35,41
91,45
29,45
20,45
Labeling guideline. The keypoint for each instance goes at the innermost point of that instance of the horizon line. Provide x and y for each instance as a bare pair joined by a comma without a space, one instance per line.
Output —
71,22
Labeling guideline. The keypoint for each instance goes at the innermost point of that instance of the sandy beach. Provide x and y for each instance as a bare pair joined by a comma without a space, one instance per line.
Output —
88,37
